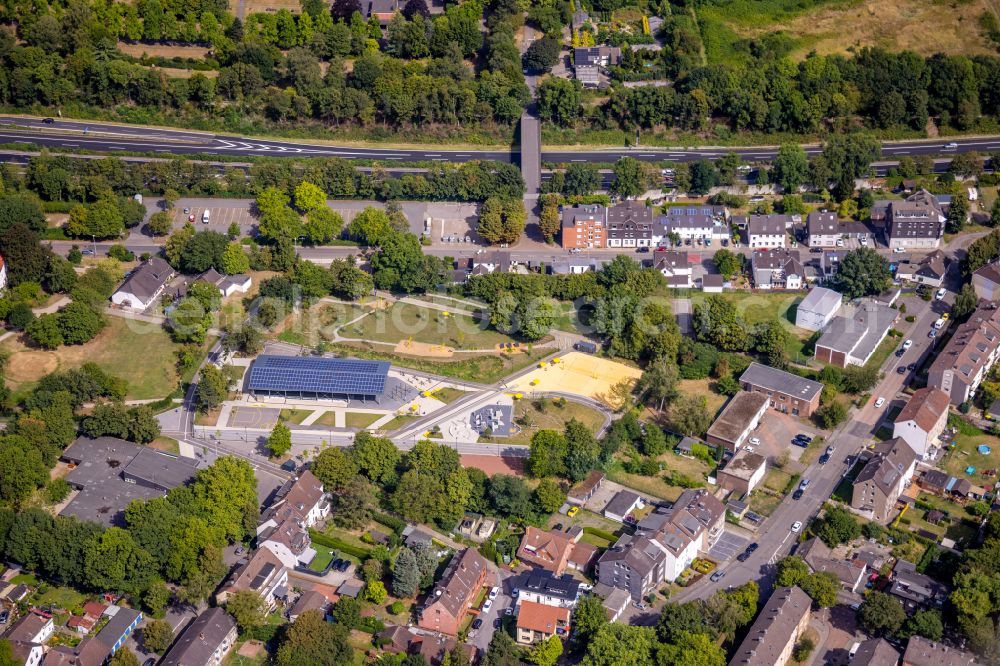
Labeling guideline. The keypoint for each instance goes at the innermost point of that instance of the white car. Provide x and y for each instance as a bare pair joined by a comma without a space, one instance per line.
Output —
797,525
755,441
494,592
879,403
487,606
898,250
940,294
951,146
907,344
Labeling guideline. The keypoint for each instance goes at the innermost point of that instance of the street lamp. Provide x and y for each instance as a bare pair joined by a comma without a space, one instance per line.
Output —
93,238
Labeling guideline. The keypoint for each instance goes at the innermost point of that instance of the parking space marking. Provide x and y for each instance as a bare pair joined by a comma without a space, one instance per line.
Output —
728,546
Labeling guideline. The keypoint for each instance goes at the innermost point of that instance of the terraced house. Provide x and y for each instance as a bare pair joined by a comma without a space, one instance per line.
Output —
966,360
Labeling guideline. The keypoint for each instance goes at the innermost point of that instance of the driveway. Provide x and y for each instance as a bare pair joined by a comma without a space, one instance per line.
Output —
482,636
727,547
776,431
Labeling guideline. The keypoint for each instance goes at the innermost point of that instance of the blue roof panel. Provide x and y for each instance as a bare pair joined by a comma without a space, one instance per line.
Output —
318,375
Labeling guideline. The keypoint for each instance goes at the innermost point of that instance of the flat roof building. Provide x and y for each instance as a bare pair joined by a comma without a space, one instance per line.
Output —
853,337
787,392
317,377
738,419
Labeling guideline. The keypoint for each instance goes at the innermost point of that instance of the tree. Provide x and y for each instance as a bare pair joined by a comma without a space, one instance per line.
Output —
792,570
560,100
791,167
213,388
501,221
727,263
405,574
309,197
354,503
502,651
45,332
235,260
880,614
589,617
863,272
376,457
848,157
22,209
771,339
247,608
79,323
204,250
692,649
335,467
926,623
542,55
375,592
581,178
958,214
703,176
547,456
621,645
630,178
280,440
323,225
546,652
20,316
124,658
822,588
965,302
160,223
157,636
837,526
233,231
690,415
549,496
114,561
22,469
831,415
549,221
312,641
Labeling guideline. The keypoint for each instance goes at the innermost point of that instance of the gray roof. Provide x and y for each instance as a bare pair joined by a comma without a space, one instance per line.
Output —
923,652
875,652
570,214
886,464
621,503
821,299
823,224
773,628
117,627
102,467
147,279
772,379
858,333
199,641
745,464
737,416
542,582
768,225
638,552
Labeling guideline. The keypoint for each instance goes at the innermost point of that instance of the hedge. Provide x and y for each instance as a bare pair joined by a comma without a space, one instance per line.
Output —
393,523
602,534
338,544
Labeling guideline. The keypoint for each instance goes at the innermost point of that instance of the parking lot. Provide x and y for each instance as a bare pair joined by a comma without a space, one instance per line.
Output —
727,547
221,213
776,431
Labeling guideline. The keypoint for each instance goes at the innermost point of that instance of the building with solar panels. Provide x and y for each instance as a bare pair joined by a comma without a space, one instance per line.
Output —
317,377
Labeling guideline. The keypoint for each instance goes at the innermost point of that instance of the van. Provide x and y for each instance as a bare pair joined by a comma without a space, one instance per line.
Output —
206,217
939,324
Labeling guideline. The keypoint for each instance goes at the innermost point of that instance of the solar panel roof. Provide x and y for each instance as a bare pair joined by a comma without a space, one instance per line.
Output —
318,375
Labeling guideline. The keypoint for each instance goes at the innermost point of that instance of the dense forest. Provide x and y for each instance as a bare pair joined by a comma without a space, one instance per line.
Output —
453,75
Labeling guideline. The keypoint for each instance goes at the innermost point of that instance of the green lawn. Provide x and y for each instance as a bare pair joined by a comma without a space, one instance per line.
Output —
138,352
763,502
483,368
295,416
397,422
25,579
359,419
323,557
776,480
319,323
404,321
552,418
595,540
61,597
763,306
884,351
448,394
164,443
965,454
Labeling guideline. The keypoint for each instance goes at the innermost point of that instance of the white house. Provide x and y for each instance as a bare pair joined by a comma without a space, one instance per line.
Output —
824,229
3,274
29,654
922,419
143,285
31,628
621,505
768,231
675,266
227,284
817,309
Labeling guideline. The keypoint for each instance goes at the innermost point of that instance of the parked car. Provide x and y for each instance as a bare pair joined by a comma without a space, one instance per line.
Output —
755,441
830,449
932,333
743,557
939,324
497,623
573,511
940,294
911,367
717,576
797,525
797,495
642,249
478,622
907,344
494,592
803,484
487,605
879,403
824,459
799,442
804,437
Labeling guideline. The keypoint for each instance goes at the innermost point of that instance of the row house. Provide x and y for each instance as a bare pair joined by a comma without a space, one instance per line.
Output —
966,359
777,269
630,224
768,231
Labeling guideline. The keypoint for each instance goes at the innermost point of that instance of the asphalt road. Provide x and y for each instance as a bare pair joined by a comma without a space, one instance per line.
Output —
108,137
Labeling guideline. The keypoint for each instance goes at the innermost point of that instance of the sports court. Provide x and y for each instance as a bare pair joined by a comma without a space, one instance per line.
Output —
254,417
576,373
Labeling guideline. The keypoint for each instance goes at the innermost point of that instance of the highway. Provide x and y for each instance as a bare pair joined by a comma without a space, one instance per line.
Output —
108,137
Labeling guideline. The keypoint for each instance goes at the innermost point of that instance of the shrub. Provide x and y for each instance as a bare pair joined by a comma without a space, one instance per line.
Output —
397,607
338,544
600,534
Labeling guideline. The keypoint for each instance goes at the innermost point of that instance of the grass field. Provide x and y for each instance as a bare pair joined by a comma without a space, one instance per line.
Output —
397,422
702,387
140,353
323,557
448,394
659,486
763,502
762,306
318,323
295,416
965,454
776,480
60,597
167,444
552,418
834,26
359,419
405,321
474,368
163,50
